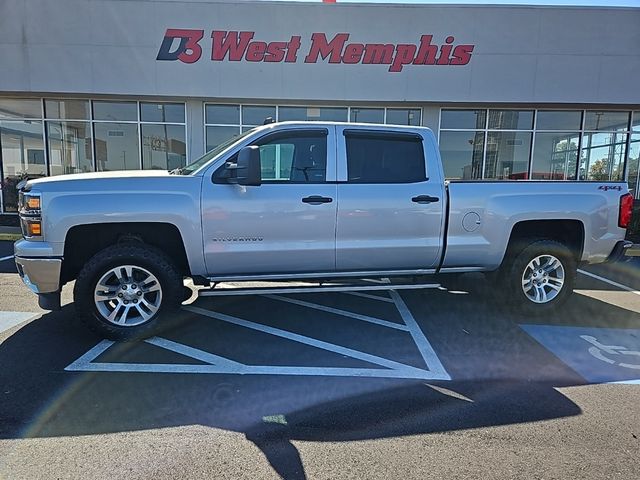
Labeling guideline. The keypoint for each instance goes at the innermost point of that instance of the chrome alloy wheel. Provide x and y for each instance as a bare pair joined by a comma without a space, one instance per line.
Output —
128,295
543,279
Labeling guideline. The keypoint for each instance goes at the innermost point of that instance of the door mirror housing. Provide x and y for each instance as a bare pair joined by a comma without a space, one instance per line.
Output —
248,168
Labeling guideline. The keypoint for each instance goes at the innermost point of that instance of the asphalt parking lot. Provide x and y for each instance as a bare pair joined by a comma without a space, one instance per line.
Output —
431,383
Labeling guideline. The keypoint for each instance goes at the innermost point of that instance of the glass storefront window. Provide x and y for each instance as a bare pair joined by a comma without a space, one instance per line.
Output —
602,156
20,108
163,147
218,135
404,116
633,163
555,156
329,114
162,112
510,119
222,114
635,126
463,119
115,111
600,120
67,109
69,147
117,146
507,156
22,153
462,154
558,120
367,115
256,114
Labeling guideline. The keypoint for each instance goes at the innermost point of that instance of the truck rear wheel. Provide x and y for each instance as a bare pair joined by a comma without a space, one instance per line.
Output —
124,289
541,277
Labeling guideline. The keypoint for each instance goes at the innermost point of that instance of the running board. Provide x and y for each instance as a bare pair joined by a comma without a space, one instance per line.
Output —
330,288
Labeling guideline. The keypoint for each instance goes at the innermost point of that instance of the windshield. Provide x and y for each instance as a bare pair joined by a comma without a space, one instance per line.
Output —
189,169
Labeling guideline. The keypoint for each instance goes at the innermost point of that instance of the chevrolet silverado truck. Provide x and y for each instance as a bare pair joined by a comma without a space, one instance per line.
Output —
306,200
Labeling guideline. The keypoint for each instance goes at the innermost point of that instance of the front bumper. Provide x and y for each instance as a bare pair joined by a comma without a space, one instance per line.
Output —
41,275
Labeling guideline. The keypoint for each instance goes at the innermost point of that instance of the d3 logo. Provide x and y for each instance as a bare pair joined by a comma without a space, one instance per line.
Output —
188,50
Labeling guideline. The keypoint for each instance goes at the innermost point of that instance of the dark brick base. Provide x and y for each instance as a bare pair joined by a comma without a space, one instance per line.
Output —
9,220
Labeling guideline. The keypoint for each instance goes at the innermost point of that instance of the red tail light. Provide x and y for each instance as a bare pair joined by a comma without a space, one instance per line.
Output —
626,208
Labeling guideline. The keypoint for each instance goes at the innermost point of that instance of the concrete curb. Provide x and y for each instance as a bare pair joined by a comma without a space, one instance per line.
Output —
10,237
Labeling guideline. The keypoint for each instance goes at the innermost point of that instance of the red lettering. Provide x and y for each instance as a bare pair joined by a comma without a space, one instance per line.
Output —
427,52
445,51
192,51
353,53
405,53
378,53
320,47
292,49
256,51
461,55
275,52
227,43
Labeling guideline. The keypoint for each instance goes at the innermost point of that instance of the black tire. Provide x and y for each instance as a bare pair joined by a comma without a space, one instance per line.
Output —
514,274
139,255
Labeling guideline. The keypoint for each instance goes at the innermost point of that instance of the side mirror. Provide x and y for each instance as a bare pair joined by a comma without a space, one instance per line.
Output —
248,168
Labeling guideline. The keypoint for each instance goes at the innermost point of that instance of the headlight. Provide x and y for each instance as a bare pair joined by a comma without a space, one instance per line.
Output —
29,203
30,209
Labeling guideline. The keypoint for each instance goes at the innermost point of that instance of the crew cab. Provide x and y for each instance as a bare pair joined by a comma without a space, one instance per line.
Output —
306,200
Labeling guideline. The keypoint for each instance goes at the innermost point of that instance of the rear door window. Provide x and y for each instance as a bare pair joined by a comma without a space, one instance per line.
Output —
384,158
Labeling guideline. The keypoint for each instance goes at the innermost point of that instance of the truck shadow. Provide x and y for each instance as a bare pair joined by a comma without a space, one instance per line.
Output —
42,400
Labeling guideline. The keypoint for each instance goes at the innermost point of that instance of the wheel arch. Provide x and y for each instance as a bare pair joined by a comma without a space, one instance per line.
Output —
84,241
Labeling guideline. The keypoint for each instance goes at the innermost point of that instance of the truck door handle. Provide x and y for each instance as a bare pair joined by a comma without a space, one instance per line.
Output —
317,200
425,199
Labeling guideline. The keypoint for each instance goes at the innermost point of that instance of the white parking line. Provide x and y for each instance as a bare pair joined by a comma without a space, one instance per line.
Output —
367,295
337,311
221,365
6,258
610,282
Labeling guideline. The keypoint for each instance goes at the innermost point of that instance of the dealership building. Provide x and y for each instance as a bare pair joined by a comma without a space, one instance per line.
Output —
512,92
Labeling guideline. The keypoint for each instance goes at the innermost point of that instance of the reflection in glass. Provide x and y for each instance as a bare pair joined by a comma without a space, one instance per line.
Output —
117,146
218,135
162,112
163,147
67,109
223,114
20,108
511,119
559,120
118,111
276,161
507,155
633,163
367,115
602,156
555,156
328,114
22,156
636,121
463,119
462,154
404,116
599,120
69,147
257,114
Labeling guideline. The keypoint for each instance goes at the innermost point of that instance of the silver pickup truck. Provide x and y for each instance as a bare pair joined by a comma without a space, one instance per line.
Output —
306,200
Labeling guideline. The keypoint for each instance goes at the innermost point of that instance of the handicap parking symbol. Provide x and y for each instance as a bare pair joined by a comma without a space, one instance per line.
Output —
599,355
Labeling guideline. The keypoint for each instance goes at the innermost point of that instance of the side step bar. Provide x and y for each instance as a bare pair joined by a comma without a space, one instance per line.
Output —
218,292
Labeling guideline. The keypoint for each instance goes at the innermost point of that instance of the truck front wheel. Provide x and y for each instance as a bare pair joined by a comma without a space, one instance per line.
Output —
541,277
122,290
